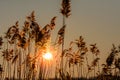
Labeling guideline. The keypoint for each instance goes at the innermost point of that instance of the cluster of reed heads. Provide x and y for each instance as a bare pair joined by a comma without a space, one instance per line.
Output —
22,48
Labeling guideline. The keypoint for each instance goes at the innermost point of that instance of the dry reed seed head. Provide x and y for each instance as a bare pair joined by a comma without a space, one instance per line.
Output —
22,42
61,35
26,24
114,49
16,24
7,54
60,40
1,41
12,30
73,58
65,10
94,49
43,35
34,30
22,33
110,59
112,55
61,31
25,29
81,38
31,17
52,24
95,62
85,49
15,37
80,43
45,29
32,34
44,39
64,52
34,25
32,14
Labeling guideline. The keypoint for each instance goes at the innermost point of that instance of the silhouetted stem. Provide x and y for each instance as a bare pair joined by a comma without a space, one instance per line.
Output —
63,45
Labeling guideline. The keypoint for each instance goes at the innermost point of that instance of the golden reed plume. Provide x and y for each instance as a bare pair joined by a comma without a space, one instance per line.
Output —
65,10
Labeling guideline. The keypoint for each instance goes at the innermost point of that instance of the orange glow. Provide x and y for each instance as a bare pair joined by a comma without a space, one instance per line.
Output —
48,56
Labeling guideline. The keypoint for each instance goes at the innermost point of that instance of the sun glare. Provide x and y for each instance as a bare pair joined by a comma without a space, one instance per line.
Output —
48,56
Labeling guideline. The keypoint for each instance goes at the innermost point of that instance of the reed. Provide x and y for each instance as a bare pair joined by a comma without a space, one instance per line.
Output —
22,49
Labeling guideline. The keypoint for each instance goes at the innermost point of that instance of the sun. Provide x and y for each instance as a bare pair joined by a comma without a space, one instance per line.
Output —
48,56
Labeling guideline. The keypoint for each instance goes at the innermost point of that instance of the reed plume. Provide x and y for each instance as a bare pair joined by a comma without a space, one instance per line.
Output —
111,57
1,42
52,23
65,10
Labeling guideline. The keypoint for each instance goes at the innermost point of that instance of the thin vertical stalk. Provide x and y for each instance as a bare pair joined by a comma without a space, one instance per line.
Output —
87,64
20,65
24,70
65,66
73,71
81,69
63,45
15,61
94,68
3,75
7,61
77,70
14,70
99,67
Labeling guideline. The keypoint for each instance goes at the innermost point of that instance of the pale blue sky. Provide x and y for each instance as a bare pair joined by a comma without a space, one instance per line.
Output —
98,21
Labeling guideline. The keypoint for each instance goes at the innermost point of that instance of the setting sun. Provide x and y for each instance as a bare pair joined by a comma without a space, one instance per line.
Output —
48,56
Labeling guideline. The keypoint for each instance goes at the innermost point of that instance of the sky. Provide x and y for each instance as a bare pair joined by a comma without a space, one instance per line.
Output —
98,21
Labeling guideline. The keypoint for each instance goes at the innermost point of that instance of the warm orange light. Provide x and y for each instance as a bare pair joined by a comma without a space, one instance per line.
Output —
48,56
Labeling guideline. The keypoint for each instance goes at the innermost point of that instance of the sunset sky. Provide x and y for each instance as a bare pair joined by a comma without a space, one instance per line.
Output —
98,21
